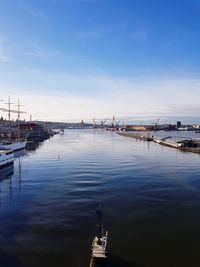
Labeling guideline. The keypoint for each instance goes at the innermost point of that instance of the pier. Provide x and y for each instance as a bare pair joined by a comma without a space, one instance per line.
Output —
135,136
186,149
162,141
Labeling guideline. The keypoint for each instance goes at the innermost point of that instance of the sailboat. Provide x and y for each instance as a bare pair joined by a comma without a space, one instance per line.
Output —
18,144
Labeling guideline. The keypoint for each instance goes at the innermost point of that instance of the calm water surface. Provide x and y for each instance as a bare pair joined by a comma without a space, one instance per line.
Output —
150,196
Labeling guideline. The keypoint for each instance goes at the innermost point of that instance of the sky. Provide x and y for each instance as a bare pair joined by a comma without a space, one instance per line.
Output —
68,60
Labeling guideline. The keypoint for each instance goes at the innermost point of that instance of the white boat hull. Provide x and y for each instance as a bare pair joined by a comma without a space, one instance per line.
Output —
15,146
6,157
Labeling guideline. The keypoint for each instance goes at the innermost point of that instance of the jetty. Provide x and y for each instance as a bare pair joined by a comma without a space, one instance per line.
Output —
99,243
186,145
177,146
135,136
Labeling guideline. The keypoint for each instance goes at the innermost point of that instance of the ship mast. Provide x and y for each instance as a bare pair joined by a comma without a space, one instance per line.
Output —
9,104
1,101
18,119
0,109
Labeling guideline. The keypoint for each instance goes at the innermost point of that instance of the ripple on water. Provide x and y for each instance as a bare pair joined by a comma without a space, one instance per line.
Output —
150,196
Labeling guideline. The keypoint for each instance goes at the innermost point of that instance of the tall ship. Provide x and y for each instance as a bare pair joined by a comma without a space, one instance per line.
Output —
19,143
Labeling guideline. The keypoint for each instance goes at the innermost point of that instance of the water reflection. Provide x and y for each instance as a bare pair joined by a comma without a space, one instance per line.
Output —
116,261
20,153
6,172
150,196
33,146
18,171
11,176
9,261
6,176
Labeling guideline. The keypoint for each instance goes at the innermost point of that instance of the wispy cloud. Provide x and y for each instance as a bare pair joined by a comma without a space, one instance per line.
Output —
140,35
84,35
86,96
35,12
39,15
42,53
82,1
188,109
3,57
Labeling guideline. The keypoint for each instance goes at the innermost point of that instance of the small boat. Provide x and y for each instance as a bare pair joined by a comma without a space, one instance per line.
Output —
99,244
6,157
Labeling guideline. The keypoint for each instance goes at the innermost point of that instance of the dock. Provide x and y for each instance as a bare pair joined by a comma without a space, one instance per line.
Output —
135,136
162,141
99,243
186,149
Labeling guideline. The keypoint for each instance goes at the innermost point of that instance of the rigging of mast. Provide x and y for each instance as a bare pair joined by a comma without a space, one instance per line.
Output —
1,101
18,118
9,110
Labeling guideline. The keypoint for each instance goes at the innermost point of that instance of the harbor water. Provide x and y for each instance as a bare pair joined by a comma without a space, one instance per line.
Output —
150,196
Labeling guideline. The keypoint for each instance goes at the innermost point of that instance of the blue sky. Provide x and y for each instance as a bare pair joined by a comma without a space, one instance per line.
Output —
73,59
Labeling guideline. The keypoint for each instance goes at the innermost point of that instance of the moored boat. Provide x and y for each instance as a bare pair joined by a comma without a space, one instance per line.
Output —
13,145
6,157
18,144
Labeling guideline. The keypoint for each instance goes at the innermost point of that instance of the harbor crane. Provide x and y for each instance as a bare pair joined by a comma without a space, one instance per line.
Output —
155,124
117,125
113,122
103,122
94,123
